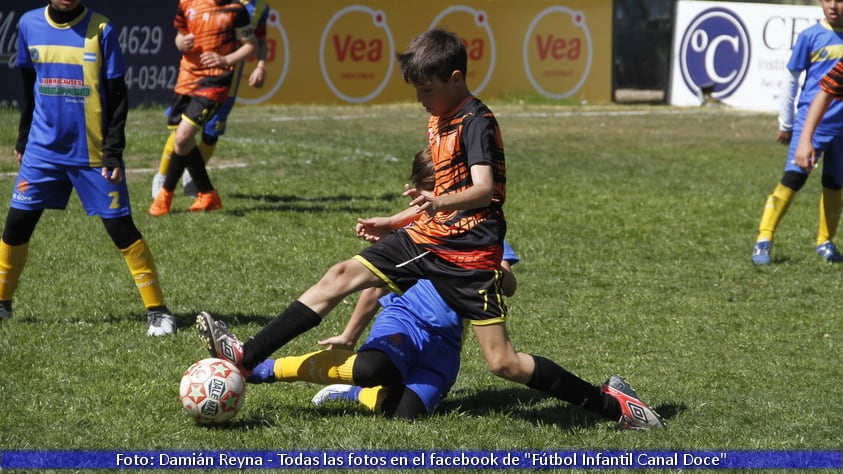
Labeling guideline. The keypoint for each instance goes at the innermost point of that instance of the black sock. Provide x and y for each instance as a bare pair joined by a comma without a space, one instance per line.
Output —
195,164
557,382
174,171
296,319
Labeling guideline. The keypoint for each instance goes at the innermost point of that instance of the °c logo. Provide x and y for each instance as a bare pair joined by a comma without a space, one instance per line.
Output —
356,53
476,35
558,52
715,52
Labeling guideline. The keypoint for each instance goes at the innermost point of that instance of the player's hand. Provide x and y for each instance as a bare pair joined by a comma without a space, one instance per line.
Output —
18,157
113,175
257,77
373,229
337,342
423,201
805,157
784,137
188,41
214,60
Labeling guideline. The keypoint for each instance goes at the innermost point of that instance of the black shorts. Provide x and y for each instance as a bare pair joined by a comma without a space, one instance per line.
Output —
475,295
195,109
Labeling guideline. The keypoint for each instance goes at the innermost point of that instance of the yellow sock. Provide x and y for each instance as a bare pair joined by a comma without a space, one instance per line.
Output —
322,367
169,149
775,207
12,261
206,150
831,203
142,266
373,397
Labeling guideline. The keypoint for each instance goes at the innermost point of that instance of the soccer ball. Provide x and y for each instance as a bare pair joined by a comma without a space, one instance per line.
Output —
212,391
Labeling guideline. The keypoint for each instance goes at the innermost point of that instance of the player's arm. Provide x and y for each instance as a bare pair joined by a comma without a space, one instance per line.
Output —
478,195
114,141
365,310
245,34
805,155
787,94
27,110
372,229
831,88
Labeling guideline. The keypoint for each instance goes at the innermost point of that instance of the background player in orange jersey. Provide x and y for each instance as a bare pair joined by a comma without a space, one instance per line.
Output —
213,36
215,127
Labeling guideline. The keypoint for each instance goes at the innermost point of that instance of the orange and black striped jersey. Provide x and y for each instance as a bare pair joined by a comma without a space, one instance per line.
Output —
832,82
217,27
468,238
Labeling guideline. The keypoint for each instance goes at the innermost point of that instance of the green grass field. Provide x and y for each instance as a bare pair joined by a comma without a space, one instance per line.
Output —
634,224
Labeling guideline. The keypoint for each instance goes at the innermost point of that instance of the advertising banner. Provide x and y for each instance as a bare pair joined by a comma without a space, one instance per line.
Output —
334,51
734,52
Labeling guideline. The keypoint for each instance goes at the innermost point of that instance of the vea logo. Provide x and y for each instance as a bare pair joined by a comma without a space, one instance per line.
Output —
476,34
715,53
356,53
557,52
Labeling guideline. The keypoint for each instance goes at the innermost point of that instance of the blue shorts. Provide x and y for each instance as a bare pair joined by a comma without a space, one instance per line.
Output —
428,362
42,185
831,147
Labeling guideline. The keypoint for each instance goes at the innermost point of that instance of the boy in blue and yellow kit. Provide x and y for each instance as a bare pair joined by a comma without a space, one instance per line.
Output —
71,136
816,51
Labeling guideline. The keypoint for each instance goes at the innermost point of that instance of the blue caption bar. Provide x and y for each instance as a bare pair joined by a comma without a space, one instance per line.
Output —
421,459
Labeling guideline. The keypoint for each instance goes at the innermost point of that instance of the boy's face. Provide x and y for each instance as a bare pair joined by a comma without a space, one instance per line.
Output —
440,97
833,12
65,5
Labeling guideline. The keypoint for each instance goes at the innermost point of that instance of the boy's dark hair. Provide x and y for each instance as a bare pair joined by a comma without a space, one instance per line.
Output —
423,176
434,53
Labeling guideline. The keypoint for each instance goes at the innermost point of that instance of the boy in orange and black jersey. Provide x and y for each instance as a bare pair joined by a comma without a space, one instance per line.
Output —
213,36
458,248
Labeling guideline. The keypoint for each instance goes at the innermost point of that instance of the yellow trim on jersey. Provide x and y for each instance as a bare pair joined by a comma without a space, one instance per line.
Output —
392,286
91,73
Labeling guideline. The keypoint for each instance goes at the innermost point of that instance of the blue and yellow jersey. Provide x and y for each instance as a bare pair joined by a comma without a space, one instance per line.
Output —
72,62
817,49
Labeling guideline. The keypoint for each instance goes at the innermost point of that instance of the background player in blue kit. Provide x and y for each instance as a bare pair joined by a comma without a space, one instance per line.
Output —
816,51
71,136
215,128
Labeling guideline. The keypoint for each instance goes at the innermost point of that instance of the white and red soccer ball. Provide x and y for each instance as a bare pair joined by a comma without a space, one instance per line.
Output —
212,391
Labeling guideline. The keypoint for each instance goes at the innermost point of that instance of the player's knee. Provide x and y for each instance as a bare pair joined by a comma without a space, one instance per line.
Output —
19,226
507,368
830,183
794,180
122,231
373,368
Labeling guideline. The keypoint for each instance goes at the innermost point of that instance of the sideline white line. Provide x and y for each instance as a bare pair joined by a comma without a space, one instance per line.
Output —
153,170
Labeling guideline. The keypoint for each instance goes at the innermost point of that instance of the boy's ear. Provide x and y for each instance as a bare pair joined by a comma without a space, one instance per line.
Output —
457,77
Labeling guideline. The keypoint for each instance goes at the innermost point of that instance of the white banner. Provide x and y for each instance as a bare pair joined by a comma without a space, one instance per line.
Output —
735,53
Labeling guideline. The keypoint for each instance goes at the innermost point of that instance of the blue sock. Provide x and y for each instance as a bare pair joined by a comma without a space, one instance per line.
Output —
263,372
